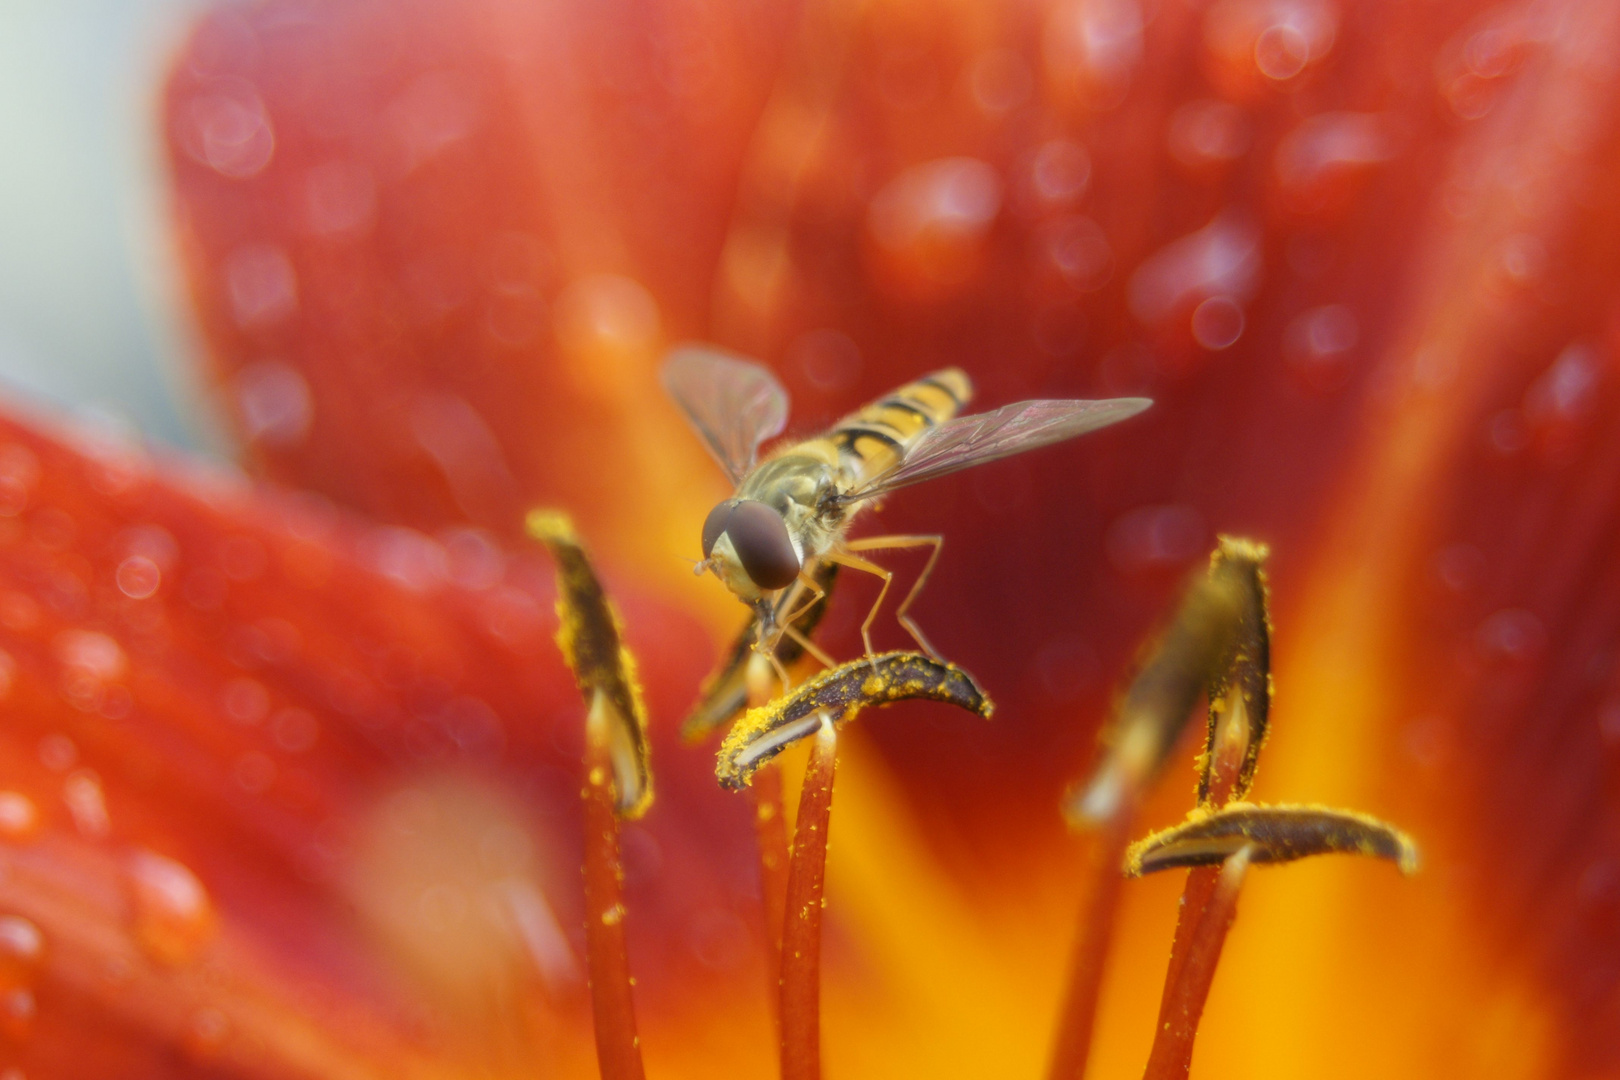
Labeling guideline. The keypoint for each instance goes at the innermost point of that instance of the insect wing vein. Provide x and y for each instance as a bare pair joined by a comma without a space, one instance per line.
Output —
733,405
983,437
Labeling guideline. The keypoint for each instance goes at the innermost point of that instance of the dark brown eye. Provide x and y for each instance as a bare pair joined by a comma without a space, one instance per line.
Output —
715,524
760,538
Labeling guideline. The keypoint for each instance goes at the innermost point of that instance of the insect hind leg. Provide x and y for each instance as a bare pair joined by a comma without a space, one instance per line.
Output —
847,557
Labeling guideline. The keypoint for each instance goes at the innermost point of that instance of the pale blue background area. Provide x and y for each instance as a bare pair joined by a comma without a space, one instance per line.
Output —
89,312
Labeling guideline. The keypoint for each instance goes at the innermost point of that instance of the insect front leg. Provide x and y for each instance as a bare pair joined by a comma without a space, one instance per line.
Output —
880,543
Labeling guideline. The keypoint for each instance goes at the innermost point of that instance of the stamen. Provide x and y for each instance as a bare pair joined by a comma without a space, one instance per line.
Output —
770,836
801,928
1159,702
842,693
588,635
1089,956
618,784
1274,833
724,694
607,957
1241,678
1187,986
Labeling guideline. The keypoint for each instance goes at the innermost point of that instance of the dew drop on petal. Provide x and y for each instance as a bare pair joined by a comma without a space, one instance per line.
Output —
274,402
1207,132
261,285
19,817
1061,171
1076,247
1156,537
17,1011
294,730
951,199
1281,52
228,130
173,914
606,324
22,946
19,474
339,197
1217,322
1221,259
138,577
999,81
207,1032
245,701
86,803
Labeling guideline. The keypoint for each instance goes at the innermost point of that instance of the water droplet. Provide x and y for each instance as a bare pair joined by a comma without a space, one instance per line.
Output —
1156,537
1217,323
606,323
243,559
413,560
1524,259
17,1011
138,577
262,286
339,197
436,111
274,403
1513,634
1281,52
999,81
19,817
1221,259
254,772
22,947
57,753
1318,343
295,730
245,701
1328,148
207,1033
1566,392
173,915
86,803
19,473
1094,46
1076,247
944,204
227,130
1208,132
1062,171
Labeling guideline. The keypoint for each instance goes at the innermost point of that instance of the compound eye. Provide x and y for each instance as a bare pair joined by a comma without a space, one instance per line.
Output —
715,524
760,538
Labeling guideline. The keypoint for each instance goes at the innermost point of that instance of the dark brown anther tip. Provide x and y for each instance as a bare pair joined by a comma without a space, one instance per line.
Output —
840,694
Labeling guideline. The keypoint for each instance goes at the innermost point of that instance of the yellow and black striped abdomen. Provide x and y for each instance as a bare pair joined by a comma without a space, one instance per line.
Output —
871,439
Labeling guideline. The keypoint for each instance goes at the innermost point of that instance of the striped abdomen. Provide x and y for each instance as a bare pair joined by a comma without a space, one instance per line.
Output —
871,439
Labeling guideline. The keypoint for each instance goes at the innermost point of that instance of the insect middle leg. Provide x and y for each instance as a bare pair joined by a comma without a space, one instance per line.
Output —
847,557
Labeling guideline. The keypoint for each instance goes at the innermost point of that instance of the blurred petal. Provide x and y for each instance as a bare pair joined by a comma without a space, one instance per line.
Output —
1360,255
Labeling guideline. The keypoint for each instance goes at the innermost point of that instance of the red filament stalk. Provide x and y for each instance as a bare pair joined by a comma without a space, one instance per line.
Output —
618,1048
1187,983
801,927
770,833
1103,878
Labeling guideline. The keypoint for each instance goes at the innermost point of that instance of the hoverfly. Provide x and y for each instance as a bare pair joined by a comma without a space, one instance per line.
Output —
791,512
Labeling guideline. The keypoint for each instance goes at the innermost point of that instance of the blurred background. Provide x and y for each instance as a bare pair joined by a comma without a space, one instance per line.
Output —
86,313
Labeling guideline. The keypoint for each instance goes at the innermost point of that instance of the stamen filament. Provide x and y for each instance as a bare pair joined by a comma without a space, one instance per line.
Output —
801,927
1090,952
1187,983
618,1047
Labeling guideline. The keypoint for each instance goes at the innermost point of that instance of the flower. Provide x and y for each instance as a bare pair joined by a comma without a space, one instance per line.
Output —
293,774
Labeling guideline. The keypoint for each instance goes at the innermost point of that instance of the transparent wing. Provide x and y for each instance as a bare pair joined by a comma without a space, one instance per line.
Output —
734,404
973,440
